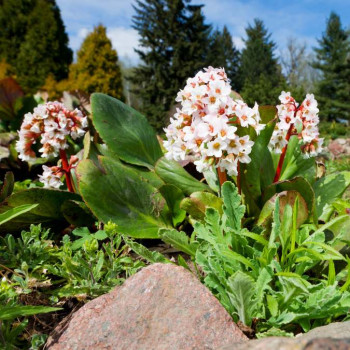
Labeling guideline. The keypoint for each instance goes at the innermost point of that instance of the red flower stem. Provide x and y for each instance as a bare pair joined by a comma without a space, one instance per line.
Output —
221,175
283,155
239,177
66,170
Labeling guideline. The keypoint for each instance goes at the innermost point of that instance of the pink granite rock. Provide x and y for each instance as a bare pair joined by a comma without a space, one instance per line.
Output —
339,147
161,307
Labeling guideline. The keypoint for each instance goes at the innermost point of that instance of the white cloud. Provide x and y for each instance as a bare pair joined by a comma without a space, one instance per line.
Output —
125,40
238,41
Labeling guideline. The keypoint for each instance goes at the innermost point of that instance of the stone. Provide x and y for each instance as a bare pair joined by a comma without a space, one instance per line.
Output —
161,307
336,330
335,336
339,147
299,343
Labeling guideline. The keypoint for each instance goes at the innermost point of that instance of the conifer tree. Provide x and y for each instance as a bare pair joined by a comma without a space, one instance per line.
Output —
174,44
332,59
97,68
223,53
38,44
261,73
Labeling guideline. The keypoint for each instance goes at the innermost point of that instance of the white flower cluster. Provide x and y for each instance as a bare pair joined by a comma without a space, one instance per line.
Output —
53,122
203,131
51,177
297,120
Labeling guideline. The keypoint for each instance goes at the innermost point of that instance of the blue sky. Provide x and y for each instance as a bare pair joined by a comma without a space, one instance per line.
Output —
304,20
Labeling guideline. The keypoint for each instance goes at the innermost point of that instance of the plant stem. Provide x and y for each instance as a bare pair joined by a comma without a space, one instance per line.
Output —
66,169
283,155
222,176
239,177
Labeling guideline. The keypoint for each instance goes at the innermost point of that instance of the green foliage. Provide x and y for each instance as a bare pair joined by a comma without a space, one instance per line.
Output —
144,192
261,75
90,74
125,131
333,62
174,46
49,211
273,275
123,197
36,266
34,41
334,130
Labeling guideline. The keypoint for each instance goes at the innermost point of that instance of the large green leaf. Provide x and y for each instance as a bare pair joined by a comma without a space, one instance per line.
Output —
198,202
285,198
298,184
296,165
125,131
327,190
12,312
242,291
233,208
173,173
47,212
12,213
77,213
118,193
259,173
173,197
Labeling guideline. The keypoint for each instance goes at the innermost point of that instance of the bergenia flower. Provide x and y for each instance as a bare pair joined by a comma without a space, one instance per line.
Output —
297,120
50,124
51,177
203,131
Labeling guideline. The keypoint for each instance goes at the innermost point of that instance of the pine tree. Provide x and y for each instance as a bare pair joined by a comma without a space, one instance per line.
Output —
223,53
13,24
40,43
97,68
333,90
174,42
261,73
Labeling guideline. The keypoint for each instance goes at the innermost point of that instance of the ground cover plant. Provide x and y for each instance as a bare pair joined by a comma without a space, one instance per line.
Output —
257,220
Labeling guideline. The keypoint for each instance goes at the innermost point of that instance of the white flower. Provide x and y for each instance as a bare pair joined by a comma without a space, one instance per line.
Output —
301,121
201,131
51,177
216,147
52,123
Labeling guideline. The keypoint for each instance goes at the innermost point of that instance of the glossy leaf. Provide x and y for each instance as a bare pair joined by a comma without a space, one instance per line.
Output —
198,202
173,173
259,172
117,193
298,184
173,197
12,312
327,190
48,211
12,213
125,131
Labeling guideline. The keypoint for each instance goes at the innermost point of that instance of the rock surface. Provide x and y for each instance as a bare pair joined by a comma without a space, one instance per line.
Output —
339,147
161,307
335,336
280,343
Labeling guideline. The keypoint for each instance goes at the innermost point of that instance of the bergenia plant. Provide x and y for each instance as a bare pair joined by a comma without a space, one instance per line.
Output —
301,121
51,124
204,130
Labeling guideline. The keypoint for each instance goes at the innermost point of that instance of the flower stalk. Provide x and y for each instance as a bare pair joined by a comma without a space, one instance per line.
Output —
283,155
66,169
